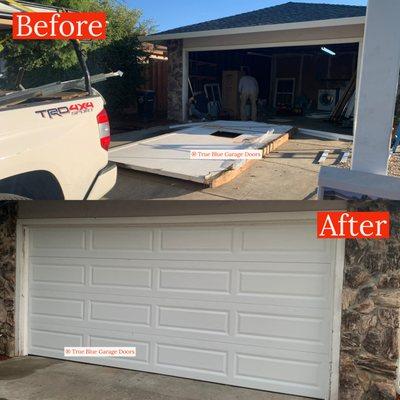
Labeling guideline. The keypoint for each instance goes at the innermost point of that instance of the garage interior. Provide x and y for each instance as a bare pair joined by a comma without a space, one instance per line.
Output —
310,87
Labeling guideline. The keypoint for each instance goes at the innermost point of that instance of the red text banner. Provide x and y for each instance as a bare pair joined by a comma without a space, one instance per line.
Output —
59,26
353,225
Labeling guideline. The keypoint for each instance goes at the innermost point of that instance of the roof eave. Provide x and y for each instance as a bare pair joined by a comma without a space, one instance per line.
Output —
255,29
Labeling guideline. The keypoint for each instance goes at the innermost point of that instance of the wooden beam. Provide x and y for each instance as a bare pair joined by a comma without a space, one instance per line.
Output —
300,82
272,81
230,175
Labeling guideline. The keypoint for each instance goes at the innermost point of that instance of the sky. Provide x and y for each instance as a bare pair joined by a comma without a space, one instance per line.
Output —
168,14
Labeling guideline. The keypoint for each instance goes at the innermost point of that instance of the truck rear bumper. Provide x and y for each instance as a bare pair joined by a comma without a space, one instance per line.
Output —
103,183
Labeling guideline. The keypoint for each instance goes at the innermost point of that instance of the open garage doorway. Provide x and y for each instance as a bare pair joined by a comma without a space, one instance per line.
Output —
309,87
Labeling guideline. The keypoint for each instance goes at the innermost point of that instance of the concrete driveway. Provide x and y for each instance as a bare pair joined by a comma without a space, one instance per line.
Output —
290,173
35,378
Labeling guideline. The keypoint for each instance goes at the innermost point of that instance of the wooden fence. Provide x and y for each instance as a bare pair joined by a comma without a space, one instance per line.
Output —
156,76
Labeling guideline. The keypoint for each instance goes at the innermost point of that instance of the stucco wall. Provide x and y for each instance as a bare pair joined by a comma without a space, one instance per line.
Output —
371,310
8,215
292,36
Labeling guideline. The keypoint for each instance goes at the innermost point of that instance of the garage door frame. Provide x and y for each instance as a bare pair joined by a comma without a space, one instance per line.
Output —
22,256
187,50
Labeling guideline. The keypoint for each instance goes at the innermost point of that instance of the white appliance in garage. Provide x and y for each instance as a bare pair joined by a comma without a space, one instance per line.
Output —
327,99
246,303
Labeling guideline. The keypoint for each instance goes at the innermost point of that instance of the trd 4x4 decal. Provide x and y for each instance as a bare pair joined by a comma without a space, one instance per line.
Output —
73,109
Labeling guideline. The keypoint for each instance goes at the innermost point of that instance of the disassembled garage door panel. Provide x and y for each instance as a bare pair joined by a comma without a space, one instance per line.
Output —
169,155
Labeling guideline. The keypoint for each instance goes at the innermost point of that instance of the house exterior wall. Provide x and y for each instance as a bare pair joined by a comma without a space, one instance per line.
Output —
371,310
371,294
8,217
175,79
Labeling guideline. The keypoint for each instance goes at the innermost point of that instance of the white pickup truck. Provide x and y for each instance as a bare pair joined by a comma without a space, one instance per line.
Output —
55,149
54,139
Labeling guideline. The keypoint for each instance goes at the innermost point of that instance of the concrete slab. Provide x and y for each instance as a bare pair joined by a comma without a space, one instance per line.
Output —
35,378
289,173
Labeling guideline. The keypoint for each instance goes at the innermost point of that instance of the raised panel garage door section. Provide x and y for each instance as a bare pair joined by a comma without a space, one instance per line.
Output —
243,304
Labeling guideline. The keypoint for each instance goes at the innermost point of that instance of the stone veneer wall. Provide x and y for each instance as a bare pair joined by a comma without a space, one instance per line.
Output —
8,217
371,310
175,73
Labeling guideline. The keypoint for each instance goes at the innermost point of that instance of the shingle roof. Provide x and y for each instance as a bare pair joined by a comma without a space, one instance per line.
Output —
281,14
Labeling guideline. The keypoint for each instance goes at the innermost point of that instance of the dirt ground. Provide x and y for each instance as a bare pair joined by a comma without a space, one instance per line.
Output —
394,164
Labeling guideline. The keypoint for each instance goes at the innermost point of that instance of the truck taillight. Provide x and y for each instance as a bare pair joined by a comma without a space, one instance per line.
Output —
104,129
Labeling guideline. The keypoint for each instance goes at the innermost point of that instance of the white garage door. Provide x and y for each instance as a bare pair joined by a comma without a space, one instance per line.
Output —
243,304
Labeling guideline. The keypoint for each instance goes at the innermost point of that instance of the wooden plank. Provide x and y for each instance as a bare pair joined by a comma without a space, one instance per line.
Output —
155,75
231,174
338,109
275,144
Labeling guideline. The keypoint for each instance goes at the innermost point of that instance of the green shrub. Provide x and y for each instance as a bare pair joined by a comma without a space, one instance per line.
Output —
51,61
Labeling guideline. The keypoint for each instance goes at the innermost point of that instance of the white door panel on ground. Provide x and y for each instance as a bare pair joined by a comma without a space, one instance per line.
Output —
242,305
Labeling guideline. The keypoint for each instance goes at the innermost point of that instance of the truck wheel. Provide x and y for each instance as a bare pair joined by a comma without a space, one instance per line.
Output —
35,185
